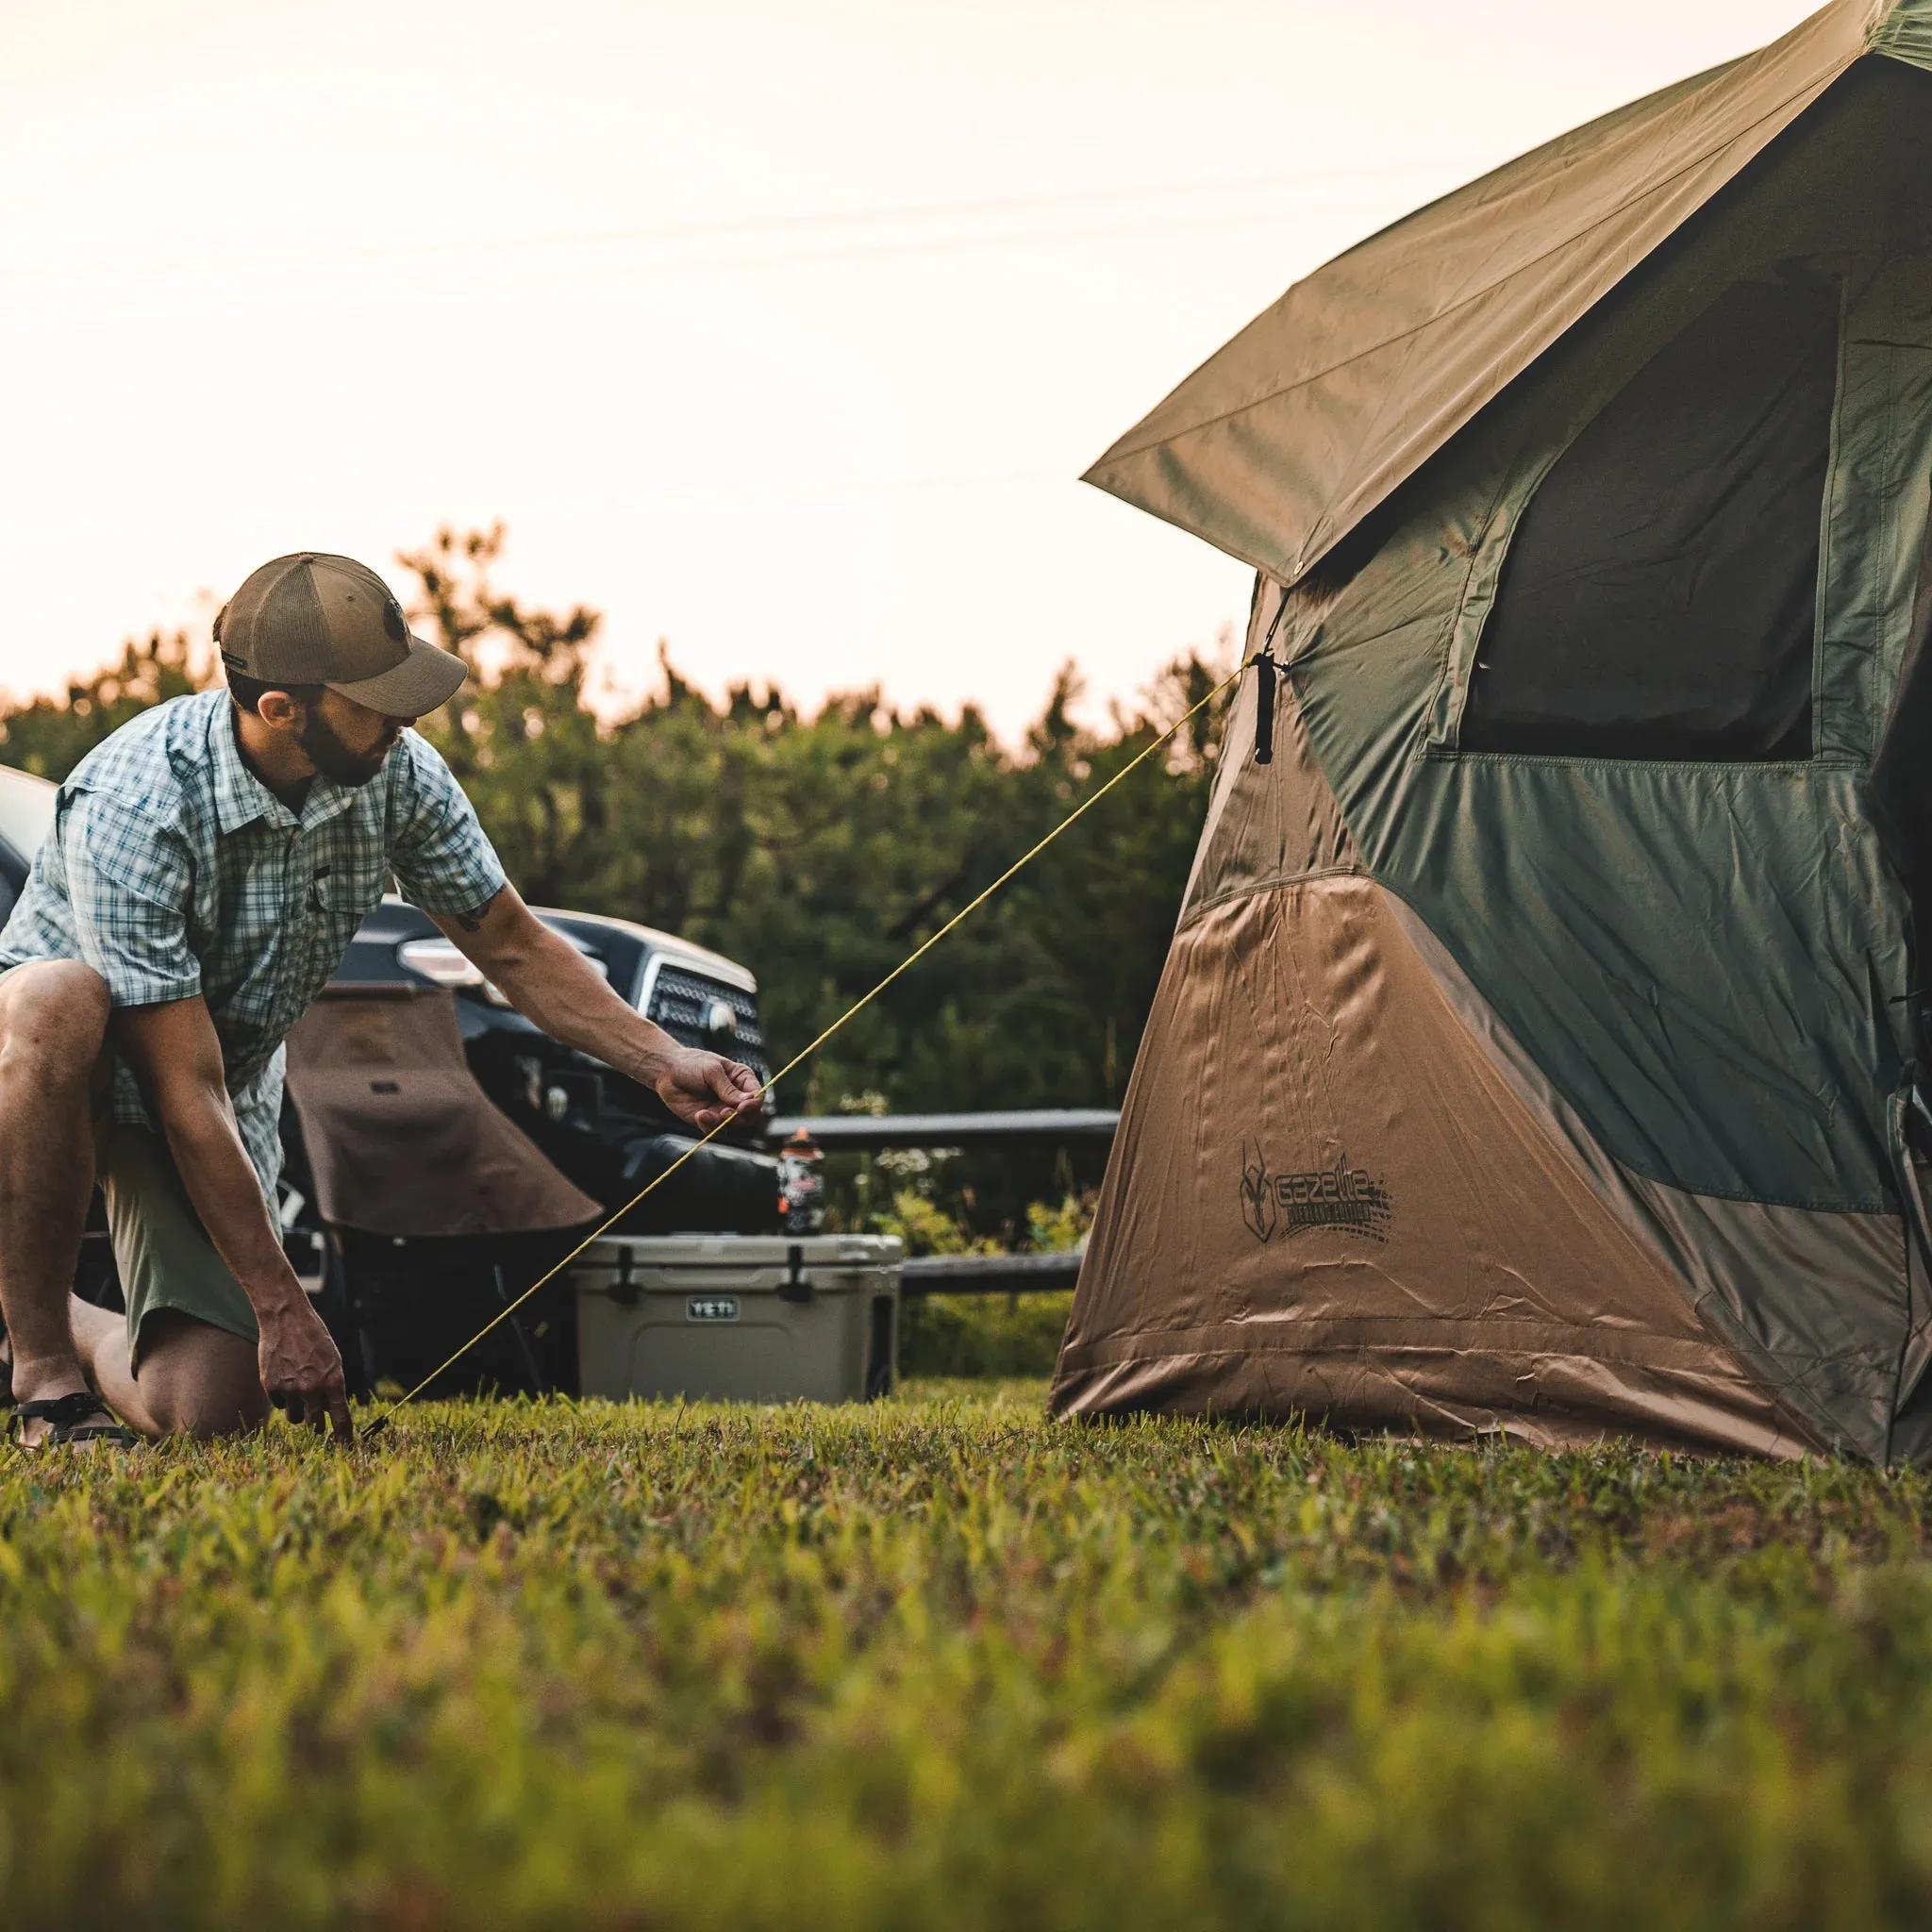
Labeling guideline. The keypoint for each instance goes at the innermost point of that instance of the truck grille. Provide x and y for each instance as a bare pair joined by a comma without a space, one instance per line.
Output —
679,1000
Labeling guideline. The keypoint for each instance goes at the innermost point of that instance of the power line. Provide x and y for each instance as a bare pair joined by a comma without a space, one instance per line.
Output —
774,229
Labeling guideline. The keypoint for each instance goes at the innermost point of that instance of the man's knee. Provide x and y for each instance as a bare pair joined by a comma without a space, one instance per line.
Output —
53,1023
199,1380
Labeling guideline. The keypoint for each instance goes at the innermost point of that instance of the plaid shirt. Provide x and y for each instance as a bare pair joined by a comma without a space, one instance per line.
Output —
172,870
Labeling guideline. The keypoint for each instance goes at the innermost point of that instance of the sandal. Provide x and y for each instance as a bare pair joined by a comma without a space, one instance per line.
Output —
81,1417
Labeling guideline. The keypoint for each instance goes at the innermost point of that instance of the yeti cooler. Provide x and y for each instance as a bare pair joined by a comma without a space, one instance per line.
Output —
739,1318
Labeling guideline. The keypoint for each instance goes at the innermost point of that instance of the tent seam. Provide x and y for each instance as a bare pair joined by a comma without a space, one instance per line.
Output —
1275,882
1078,1356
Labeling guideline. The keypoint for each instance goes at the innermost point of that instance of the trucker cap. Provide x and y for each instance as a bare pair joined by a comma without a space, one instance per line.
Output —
314,619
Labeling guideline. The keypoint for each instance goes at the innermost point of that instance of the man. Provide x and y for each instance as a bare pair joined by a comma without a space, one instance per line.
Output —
208,867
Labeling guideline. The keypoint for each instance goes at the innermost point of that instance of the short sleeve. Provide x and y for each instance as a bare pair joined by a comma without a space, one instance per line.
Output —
442,857
130,880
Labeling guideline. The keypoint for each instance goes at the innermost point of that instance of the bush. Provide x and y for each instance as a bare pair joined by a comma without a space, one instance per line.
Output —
981,1334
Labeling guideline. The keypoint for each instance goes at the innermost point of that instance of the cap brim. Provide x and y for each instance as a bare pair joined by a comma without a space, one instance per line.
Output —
425,679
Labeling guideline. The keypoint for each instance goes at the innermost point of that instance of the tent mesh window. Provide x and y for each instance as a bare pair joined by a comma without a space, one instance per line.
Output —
1659,596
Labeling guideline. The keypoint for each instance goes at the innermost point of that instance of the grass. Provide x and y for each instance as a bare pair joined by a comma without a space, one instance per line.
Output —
940,1663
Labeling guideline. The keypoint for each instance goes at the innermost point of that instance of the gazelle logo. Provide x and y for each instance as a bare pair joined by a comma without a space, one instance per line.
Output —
1347,1199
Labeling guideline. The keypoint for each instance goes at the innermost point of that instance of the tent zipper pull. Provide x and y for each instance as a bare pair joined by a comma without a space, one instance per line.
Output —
1265,710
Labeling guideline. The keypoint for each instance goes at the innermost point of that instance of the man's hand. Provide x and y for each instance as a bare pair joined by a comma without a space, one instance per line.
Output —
301,1368
705,1089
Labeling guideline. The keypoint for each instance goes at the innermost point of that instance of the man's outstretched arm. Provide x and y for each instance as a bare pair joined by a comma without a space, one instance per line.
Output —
549,981
175,1050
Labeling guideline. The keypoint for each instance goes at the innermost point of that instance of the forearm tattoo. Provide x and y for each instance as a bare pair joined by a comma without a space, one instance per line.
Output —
473,921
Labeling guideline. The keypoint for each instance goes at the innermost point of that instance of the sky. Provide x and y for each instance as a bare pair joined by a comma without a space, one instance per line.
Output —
781,332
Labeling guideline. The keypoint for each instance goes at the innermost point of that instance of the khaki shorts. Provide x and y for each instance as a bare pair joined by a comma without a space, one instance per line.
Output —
164,1256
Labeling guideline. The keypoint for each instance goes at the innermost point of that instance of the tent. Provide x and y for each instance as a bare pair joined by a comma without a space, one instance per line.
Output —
1539,1049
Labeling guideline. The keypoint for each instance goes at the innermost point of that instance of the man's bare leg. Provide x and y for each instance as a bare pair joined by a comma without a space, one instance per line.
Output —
53,1023
195,1380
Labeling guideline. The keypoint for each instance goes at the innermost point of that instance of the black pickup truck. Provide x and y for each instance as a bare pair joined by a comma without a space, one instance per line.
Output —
439,1149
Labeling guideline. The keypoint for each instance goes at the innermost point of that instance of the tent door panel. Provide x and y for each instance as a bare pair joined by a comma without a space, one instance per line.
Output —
1899,793
1875,511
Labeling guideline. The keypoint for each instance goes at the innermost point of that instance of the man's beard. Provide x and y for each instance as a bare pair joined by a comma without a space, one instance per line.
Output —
334,759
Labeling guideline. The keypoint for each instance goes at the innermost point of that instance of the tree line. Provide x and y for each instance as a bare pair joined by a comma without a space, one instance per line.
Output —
819,850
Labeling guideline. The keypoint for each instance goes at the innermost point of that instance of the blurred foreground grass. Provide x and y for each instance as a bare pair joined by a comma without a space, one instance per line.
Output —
940,1663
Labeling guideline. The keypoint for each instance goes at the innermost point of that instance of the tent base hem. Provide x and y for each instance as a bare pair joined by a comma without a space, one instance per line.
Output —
1582,1401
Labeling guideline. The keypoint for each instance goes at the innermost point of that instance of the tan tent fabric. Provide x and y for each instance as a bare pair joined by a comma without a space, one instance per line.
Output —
1341,1206
1814,1303
1818,1304
400,1137
1810,1305
1282,442
1267,824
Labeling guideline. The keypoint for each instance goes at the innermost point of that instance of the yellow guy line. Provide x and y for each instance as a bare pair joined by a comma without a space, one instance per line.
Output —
904,965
